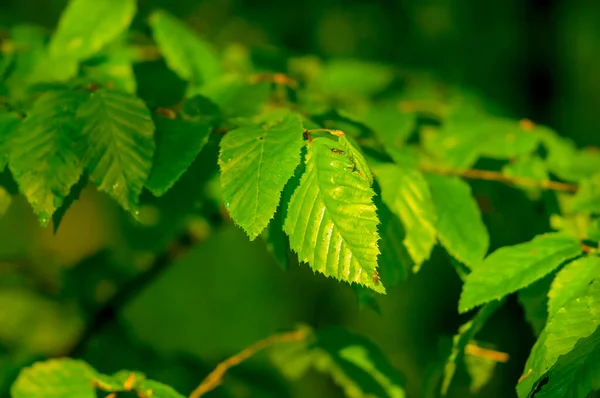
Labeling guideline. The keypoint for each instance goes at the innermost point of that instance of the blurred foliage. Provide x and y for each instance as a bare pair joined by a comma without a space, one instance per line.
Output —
214,292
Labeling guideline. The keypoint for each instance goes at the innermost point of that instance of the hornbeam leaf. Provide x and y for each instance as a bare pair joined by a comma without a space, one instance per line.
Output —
256,162
511,268
577,373
332,221
185,52
57,378
459,226
406,193
572,281
178,142
578,319
43,159
120,144
87,25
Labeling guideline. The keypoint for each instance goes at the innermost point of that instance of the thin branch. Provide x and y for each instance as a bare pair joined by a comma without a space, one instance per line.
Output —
215,378
498,176
480,352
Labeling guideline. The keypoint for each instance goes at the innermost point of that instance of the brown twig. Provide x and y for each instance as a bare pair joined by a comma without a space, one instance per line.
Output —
215,378
492,355
588,249
498,176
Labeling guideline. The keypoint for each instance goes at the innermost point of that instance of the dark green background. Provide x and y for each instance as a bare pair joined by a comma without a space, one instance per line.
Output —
536,59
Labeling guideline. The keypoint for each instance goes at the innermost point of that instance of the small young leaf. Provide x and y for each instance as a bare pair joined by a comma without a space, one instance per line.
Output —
256,162
406,193
578,319
186,53
43,159
332,221
178,142
120,144
572,281
466,333
511,268
459,226
56,378
88,25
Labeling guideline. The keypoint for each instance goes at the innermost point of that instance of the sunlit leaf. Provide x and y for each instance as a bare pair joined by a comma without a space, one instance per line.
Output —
186,53
120,144
43,159
572,281
406,193
256,162
88,25
511,268
355,76
332,221
459,225
178,142
58,378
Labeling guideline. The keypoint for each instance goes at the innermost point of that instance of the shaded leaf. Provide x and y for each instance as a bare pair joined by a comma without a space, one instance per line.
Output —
534,300
392,128
43,159
154,389
466,333
9,123
395,263
511,268
88,25
355,76
332,221
186,53
178,142
256,162
459,226
120,144
354,363
69,200
407,195
480,370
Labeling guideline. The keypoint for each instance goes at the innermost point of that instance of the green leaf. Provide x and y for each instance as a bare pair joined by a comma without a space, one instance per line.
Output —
459,226
188,55
407,195
256,162
115,70
577,373
511,268
354,362
154,389
69,200
120,144
178,142
392,128
395,263
534,300
332,221
350,148
9,123
480,370
56,378
465,334
587,197
572,281
578,319
352,76
88,25
5,201
43,159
